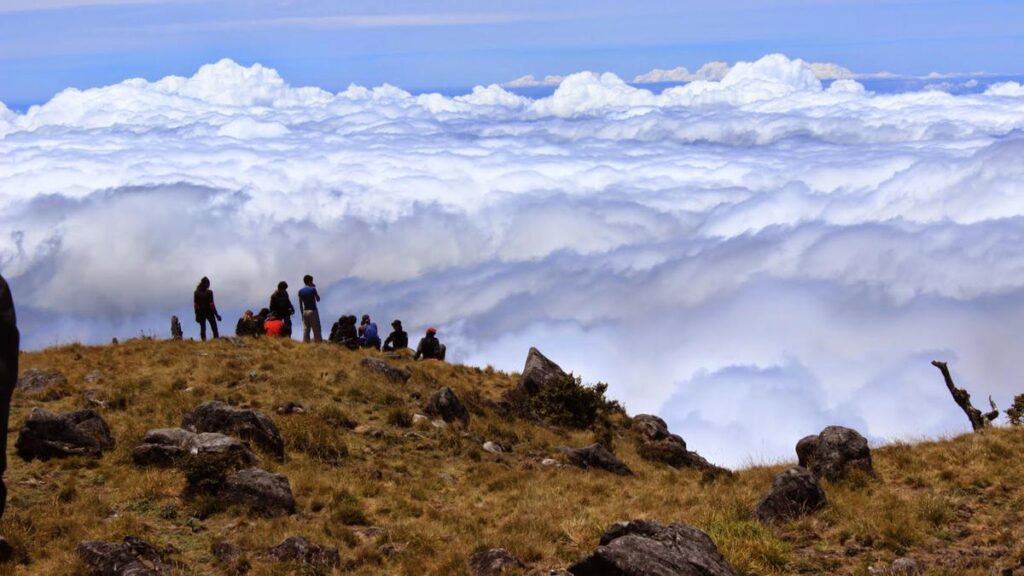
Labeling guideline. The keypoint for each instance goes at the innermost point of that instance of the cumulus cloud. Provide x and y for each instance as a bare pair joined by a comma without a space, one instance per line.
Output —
529,81
753,257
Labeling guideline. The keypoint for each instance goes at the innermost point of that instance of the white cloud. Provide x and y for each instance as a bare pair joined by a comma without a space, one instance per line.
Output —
753,257
35,5
529,81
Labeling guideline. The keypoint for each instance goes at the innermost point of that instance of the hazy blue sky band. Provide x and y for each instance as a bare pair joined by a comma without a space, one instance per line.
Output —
48,45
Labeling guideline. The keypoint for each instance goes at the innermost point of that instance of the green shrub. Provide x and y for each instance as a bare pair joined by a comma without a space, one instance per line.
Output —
1016,412
400,417
569,402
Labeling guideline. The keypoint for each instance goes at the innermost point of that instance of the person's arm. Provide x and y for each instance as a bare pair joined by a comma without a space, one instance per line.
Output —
316,294
9,337
213,308
302,307
419,351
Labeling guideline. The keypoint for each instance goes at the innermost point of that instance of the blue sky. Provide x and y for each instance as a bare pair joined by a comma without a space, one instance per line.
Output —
47,45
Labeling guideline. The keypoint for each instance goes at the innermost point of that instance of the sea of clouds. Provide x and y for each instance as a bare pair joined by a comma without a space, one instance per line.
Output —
753,258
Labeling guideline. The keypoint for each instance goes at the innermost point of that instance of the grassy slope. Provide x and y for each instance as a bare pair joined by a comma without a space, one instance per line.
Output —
955,504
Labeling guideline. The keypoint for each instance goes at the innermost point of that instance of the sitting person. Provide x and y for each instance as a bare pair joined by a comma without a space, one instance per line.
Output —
247,325
430,348
275,327
344,332
368,335
261,319
398,339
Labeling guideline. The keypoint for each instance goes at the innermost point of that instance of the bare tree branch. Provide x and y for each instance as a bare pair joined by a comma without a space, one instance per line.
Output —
963,400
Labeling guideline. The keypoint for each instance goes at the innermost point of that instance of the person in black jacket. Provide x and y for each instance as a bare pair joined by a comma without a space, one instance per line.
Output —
398,339
430,348
9,347
281,307
206,309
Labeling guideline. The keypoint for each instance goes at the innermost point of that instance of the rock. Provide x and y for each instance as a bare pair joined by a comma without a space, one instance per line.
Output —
93,377
656,444
439,424
298,549
446,405
48,435
176,333
549,462
367,430
794,492
492,448
645,548
291,408
596,456
494,562
246,423
835,452
133,557
167,446
420,420
395,375
904,566
538,371
42,384
266,494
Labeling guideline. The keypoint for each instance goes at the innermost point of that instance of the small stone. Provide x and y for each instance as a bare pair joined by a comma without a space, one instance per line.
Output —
549,462
291,408
133,557
420,420
494,562
904,566
301,551
446,405
266,494
596,456
439,424
492,448
395,375
42,384
794,492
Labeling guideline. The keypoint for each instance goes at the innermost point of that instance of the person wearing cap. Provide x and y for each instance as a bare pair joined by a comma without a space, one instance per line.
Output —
281,308
9,348
308,297
398,339
369,337
430,348
206,309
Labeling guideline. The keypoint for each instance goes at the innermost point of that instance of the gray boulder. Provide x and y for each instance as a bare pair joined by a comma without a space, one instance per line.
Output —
494,562
266,494
392,373
245,423
168,446
834,453
657,444
444,404
133,557
596,456
42,383
794,492
47,435
537,372
299,550
645,548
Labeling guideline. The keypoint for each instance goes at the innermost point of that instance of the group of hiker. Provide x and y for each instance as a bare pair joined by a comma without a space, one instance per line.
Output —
276,321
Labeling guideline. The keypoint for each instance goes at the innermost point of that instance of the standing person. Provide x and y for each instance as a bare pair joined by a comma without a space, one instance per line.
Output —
398,339
308,297
9,345
430,348
281,307
206,309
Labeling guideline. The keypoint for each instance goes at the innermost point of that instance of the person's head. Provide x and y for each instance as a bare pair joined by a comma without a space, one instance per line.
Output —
307,280
397,324
282,285
204,283
366,319
431,331
264,312
247,315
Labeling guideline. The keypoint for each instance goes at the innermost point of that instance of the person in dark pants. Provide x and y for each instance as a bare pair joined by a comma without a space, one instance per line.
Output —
398,339
9,347
430,348
206,309
308,297
281,307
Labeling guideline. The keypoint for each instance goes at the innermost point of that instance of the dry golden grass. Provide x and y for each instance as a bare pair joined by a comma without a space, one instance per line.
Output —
955,505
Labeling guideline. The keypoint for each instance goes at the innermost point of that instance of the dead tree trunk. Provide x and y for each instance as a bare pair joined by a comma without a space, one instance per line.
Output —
963,400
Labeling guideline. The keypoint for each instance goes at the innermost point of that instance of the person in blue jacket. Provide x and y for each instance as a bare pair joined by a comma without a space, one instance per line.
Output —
369,337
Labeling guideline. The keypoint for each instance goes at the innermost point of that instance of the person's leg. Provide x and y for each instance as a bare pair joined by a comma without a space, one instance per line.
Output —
318,333
441,351
202,328
213,326
7,384
307,325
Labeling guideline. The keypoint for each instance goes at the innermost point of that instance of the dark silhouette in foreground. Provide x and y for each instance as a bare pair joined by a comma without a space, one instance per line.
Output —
9,348
206,309
398,339
430,348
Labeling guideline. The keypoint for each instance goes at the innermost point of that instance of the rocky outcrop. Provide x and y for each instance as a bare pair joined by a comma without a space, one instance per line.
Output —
42,384
245,423
596,456
301,551
645,548
495,562
47,435
266,494
794,492
444,404
657,444
392,373
133,557
168,446
834,453
537,372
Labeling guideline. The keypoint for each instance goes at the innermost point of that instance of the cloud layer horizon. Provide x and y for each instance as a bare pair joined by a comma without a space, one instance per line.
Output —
752,258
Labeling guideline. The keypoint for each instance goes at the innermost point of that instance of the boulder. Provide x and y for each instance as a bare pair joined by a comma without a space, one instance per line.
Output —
904,566
298,549
537,372
646,548
794,492
290,408
266,494
246,423
167,446
835,452
596,456
42,383
446,405
48,435
657,444
392,373
494,562
133,557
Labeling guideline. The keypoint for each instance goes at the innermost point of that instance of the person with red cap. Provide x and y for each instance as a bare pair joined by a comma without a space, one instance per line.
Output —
430,348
